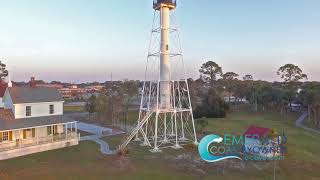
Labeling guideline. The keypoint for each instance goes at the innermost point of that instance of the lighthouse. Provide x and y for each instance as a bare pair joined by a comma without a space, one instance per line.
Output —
164,7
165,116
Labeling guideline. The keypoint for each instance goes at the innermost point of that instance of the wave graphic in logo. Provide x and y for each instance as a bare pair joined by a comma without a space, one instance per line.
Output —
203,149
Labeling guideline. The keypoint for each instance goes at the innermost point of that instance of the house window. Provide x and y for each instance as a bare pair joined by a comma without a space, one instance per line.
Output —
167,47
5,136
28,110
49,130
51,109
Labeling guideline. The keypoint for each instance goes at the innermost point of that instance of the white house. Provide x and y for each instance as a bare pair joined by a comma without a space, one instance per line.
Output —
31,120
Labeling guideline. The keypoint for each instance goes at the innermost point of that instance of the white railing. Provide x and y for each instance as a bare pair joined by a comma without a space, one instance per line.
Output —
5,146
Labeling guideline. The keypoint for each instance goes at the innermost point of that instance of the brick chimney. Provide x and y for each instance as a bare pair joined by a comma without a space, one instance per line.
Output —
2,82
33,82
3,87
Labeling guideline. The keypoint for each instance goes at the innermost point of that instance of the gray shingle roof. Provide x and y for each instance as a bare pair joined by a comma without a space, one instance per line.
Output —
34,95
8,124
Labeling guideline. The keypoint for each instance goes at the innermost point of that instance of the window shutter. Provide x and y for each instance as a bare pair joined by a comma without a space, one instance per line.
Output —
10,135
0,136
48,130
33,132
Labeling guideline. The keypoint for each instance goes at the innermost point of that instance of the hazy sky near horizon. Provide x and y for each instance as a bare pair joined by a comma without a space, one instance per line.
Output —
81,40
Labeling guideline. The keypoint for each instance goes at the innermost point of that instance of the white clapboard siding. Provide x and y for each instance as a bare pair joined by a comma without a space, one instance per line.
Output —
37,109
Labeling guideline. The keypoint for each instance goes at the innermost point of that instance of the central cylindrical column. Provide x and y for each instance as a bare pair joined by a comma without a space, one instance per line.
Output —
165,65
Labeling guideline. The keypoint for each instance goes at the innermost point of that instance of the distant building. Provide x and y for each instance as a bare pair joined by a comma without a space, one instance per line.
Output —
94,88
32,120
72,92
66,93
233,98
56,86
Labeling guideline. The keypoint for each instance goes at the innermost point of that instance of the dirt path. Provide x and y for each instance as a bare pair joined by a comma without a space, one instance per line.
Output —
300,123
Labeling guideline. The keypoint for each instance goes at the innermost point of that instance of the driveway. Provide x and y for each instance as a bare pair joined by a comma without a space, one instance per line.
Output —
300,123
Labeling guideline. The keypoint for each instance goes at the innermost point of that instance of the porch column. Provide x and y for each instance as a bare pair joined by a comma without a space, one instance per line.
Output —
36,133
66,129
75,125
20,139
52,130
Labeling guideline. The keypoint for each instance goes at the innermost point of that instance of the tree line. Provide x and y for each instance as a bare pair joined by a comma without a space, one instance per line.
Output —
212,91
113,102
213,85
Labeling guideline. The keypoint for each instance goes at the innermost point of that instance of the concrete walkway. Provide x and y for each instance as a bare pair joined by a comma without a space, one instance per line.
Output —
94,129
98,132
300,123
104,147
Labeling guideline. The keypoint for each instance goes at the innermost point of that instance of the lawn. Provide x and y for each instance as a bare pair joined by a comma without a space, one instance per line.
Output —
84,133
310,123
86,162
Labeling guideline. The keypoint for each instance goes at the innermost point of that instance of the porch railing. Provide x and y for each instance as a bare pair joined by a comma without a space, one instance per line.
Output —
21,143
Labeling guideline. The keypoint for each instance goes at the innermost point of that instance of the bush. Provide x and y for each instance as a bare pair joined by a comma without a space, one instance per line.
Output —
212,106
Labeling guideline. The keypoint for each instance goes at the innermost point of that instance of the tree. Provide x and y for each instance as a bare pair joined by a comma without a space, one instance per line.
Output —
291,73
240,89
130,90
228,79
248,77
55,82
196,91
3,71
212,106
309,95
254,94
91,105
115,104
209,72
103,106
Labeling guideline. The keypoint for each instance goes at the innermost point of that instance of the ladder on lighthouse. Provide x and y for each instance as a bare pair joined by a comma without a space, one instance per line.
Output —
135,131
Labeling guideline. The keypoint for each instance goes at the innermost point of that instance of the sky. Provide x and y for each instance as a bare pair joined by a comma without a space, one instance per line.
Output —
87,40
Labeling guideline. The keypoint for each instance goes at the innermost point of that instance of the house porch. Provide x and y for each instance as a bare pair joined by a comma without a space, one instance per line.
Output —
18,142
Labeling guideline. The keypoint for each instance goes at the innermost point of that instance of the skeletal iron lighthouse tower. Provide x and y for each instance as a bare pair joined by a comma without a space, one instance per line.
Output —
165,118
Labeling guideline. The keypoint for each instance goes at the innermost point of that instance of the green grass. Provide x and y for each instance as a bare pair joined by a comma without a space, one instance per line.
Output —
73,109
86,162
82,162
133,116
310,123
303,147
301,144
84,133
113,141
